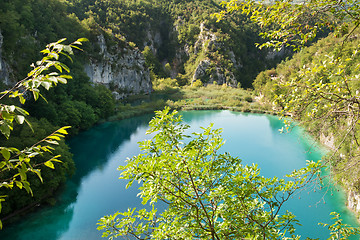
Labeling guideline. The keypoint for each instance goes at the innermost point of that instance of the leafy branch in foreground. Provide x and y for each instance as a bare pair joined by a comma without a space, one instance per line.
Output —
209,195
293,23
339,230
15,164
322,93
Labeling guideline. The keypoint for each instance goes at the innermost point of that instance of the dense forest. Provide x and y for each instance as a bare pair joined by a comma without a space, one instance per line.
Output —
146,45
178,39
326,121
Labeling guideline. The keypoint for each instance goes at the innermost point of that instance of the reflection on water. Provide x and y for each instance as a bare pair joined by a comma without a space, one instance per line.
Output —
95,189
92,151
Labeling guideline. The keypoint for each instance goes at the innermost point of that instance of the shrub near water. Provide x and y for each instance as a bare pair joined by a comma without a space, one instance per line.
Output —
217,97
212,96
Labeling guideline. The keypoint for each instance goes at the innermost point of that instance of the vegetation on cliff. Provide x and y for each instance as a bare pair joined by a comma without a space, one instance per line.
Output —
193,59
324,90
319,87
27,155
330,66
177,36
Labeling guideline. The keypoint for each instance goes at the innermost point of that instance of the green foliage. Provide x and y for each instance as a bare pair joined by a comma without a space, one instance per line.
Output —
339,230
196,84
162,84
152,62
209,195
319,86
216,97
15,164
170,32
286,23
26,26
22,137
181,80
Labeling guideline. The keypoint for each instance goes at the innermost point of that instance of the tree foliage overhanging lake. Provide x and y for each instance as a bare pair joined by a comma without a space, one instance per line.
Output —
95,189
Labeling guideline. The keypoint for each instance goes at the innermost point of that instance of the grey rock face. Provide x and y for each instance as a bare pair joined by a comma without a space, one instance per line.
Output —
201,69
276,53
121,69
206,41
4,67
153,40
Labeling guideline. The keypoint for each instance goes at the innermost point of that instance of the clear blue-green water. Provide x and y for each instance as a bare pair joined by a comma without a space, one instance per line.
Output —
95,190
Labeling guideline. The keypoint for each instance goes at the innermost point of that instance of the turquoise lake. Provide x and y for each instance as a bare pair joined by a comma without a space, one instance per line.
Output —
95,190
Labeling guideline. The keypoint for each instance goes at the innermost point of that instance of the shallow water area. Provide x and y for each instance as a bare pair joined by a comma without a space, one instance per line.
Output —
95,190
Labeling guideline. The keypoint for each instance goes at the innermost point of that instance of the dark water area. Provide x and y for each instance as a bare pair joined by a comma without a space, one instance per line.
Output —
95,190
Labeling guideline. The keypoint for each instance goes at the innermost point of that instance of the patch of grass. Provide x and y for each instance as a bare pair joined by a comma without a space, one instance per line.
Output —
127,110
218,97
211,97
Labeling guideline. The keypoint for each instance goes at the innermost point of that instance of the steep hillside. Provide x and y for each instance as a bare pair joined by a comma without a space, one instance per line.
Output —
183,37
131,44
25,28
319,87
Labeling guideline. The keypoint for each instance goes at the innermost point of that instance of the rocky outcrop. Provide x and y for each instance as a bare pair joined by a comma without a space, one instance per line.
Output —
274,53
153,40
122,69
208,70
353,201
352,195
4,67
328,141
206,39
201,69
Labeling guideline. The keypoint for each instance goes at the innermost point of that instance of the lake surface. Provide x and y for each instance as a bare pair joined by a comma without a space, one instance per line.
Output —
95,190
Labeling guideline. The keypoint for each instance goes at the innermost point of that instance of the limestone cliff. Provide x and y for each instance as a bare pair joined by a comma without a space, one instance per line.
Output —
119,67
122,69
352,193
214,59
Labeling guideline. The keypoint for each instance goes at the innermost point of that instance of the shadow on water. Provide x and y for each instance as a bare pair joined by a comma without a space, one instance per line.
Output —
101,141
91,152
95,190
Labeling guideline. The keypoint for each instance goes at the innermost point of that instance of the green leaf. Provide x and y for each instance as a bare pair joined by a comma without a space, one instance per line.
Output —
26,185
65,67
76,47
38,173
35,94
19,119
54,137
66,76
49,164
62,80
19,184
52,142
82,40
2,165
22,172
68,49
22,99
5,130
54,55
46,85
11,108
60,41
59,68
22,111
6,153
